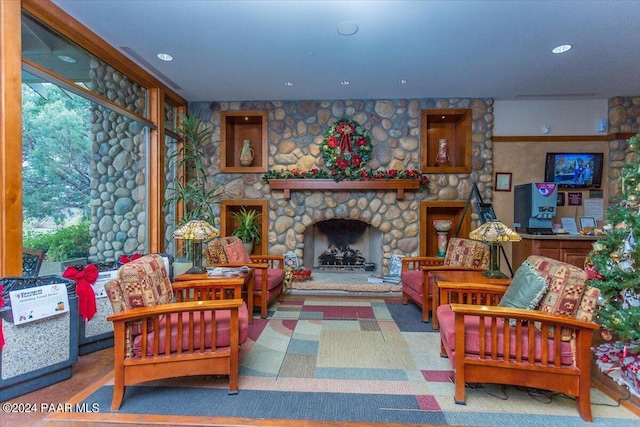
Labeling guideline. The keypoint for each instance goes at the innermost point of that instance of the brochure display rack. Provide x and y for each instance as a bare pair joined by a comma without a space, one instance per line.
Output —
40,327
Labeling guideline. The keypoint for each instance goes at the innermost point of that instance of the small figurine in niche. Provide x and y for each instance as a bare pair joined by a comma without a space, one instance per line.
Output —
443,154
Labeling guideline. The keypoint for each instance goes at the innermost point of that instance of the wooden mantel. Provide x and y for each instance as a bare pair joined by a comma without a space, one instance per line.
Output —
396,184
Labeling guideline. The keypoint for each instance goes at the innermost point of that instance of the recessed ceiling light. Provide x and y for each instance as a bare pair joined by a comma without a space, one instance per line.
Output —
165,57
345,82
562,48
67,58
402,82
288,84
347,28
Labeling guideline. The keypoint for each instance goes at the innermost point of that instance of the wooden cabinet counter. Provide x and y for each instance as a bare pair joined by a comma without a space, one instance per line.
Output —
572,249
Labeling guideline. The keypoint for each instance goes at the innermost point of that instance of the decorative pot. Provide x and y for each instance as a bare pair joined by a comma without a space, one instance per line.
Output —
246,154
442,227
248,246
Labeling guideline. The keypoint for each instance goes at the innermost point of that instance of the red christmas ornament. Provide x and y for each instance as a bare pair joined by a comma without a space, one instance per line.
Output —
592,273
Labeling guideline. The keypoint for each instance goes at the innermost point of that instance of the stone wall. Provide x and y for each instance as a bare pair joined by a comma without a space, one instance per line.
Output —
624,117
118,168
296,129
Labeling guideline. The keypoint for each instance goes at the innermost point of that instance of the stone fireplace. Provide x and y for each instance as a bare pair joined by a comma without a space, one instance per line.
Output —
343,245
295,133
389,225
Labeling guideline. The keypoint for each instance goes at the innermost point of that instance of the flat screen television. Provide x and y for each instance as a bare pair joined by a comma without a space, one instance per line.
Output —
574,170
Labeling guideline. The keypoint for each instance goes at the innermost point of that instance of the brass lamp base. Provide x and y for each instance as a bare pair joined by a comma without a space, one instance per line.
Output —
196,254
495,274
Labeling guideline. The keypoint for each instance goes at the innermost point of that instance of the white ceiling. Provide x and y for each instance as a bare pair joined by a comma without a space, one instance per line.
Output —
247,50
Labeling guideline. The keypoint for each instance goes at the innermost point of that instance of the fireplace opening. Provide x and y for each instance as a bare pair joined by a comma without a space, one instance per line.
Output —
343,245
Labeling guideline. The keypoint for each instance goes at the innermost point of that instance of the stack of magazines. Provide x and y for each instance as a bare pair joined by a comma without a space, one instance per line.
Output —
226,271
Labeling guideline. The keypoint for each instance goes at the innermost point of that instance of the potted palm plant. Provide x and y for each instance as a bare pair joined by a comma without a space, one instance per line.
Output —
190,186
247,227
190,190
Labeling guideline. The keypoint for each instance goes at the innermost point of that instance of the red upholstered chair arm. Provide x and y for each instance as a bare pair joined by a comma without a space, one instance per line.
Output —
416,263
153,316
524,331
175,307
522,314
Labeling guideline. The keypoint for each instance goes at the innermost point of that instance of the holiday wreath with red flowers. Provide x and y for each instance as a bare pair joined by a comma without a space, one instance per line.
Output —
346,147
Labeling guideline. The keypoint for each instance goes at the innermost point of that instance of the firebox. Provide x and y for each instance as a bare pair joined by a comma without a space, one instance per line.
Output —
342,244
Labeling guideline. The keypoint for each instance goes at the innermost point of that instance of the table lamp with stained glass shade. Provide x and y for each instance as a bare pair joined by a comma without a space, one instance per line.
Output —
196,231
494,233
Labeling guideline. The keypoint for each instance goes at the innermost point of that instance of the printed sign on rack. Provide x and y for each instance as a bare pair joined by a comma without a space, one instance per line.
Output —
28,305
103,278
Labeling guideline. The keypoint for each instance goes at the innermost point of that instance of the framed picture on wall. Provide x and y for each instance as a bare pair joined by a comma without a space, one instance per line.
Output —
503,181
560,199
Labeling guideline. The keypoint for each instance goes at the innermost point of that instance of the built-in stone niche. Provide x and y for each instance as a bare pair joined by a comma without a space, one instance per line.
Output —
346,245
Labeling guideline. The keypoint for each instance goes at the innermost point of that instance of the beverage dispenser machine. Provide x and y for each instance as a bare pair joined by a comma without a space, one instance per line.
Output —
534,206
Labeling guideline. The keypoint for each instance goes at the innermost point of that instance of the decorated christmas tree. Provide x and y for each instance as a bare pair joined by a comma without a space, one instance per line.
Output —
614,263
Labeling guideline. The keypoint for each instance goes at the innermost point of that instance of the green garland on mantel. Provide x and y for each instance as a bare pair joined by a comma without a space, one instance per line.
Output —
359,175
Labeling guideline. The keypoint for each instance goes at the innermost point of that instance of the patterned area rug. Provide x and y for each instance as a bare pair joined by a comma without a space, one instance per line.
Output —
351,282
368,360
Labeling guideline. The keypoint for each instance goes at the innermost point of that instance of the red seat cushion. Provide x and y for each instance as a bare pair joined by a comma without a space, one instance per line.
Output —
446,317
412,279
275,277
222,331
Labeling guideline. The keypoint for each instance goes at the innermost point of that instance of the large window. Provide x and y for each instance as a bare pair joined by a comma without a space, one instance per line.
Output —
67,60
85,145
123,131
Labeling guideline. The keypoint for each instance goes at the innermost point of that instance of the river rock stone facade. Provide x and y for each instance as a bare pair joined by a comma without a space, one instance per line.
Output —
118,168
296,130
624,117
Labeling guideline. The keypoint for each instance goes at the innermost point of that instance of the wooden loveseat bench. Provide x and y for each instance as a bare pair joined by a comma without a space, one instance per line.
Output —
545,345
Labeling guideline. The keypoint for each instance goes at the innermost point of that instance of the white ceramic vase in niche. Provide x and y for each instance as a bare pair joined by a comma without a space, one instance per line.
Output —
246,154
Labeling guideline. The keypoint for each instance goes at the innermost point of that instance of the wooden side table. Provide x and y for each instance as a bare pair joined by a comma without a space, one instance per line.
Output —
449,278
249,284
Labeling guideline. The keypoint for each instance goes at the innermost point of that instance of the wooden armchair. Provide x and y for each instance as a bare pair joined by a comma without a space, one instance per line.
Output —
417,286
547,347
269,269
164,331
